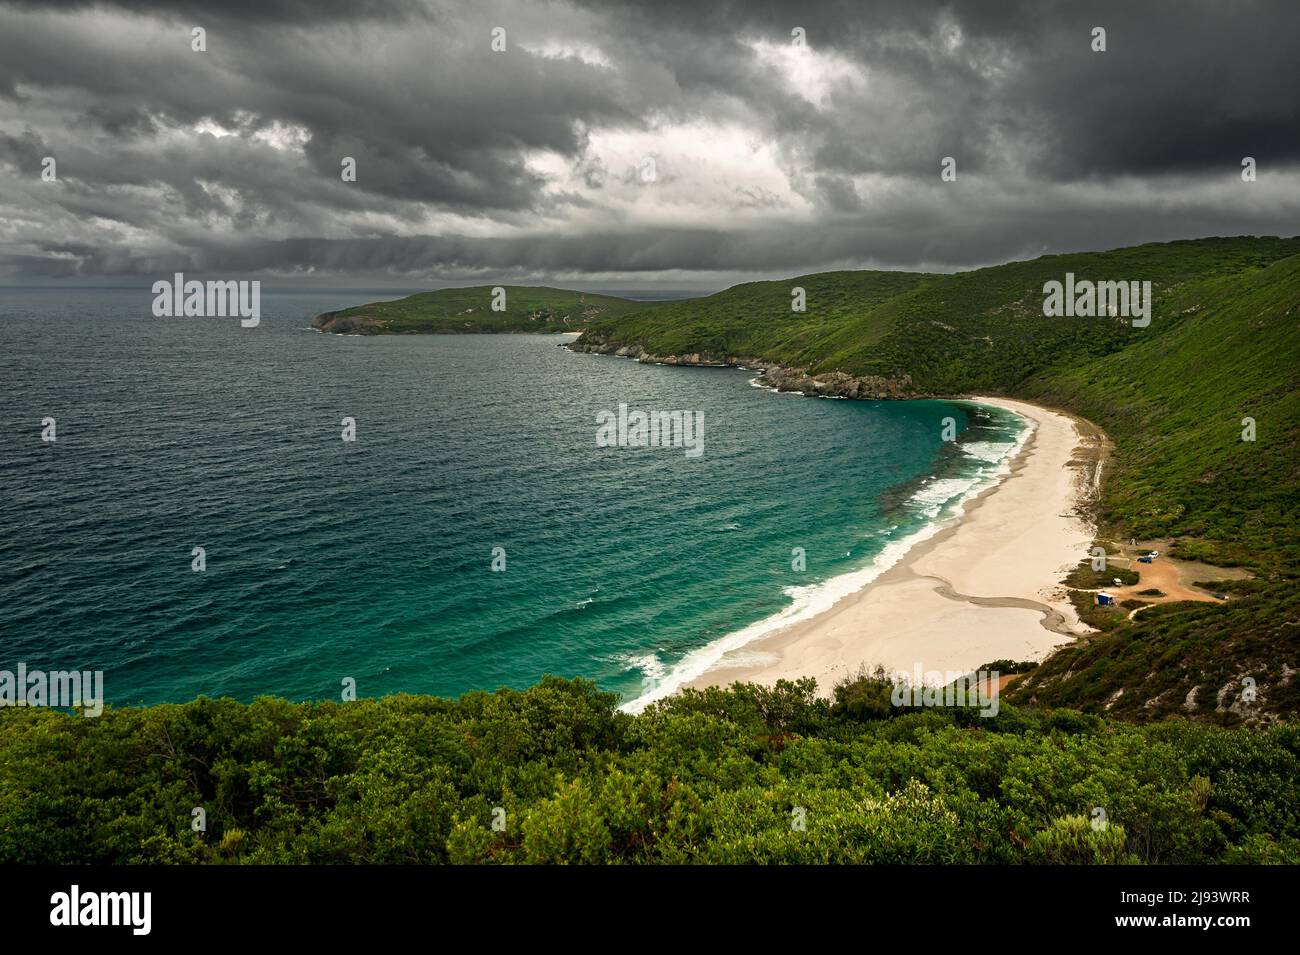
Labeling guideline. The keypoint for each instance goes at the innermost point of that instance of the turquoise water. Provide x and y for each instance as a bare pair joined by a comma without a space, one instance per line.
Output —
373,559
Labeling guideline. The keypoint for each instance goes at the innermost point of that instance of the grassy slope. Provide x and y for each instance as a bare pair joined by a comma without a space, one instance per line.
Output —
1223,343
1182,659
968,332
1174,408
1174,403
715,777
755,319
528,309
986,330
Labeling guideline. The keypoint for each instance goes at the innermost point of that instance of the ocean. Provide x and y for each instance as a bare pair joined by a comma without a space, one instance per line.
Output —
373,560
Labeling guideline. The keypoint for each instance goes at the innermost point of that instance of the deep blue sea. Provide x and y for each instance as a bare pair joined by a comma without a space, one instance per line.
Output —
372,559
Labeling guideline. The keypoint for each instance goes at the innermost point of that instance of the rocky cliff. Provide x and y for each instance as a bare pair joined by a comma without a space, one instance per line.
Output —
834,384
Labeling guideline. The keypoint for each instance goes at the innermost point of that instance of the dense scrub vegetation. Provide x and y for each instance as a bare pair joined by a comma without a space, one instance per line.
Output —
722,776
1223,345
1226,663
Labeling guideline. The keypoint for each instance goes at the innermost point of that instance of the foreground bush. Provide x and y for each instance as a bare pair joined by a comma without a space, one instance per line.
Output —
726,776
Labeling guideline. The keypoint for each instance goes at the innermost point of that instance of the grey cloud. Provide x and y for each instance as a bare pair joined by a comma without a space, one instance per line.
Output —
247,11
1182,85
443,127
1007,233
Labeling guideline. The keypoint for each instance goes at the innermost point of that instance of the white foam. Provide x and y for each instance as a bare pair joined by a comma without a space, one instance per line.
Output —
750,658
942,500
758,383
932,497
991,451
651,667
806,602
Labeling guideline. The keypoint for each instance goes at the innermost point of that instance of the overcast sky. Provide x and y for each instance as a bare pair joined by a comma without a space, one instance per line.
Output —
529,165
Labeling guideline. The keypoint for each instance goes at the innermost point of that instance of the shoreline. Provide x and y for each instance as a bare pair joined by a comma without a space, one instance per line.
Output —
985,585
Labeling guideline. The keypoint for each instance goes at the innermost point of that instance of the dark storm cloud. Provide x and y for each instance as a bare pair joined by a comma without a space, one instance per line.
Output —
248,11
471,162
442,123
1183,84
1016,234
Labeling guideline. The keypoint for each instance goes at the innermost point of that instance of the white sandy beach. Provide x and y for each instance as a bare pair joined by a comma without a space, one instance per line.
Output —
986,587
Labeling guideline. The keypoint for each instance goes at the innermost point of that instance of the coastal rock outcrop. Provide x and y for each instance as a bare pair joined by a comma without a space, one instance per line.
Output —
339,324
837,384
832,384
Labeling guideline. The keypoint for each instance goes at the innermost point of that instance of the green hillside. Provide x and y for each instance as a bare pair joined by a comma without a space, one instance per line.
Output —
756,319
1224,349
950,333
1223,344
459,310
725,776
1183,660
985,330
1174,406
